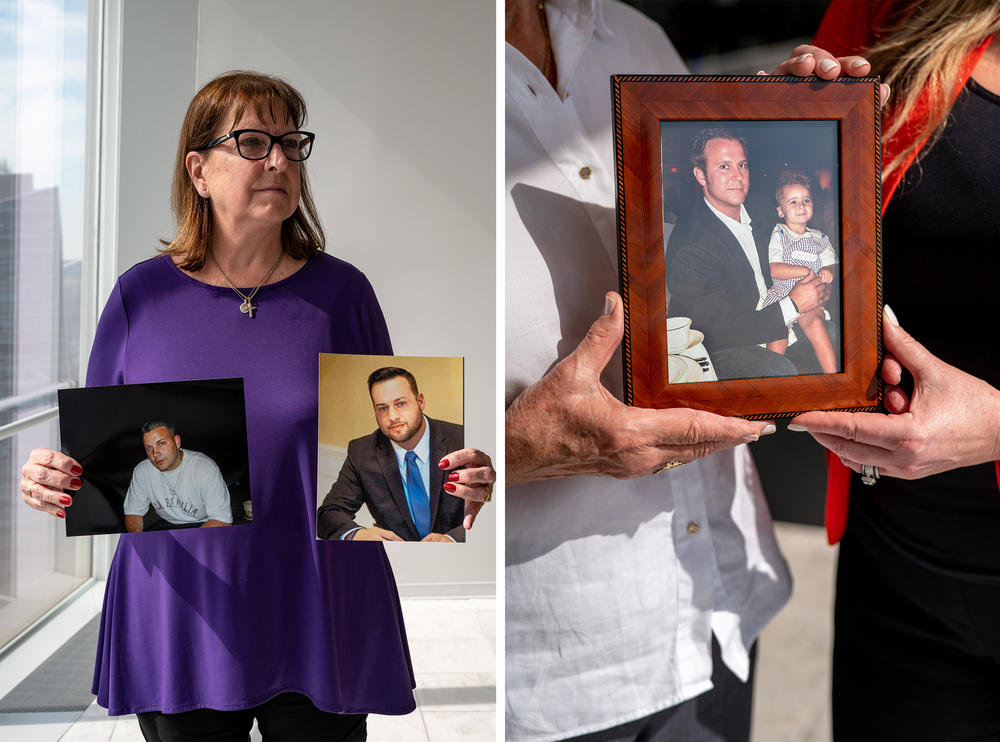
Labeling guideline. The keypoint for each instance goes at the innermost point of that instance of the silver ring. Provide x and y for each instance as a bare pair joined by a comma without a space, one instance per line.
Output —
869,474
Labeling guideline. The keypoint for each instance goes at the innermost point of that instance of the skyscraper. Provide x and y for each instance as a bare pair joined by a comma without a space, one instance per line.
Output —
31,323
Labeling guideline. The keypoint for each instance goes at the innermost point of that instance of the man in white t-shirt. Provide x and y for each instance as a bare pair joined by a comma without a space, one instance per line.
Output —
185,488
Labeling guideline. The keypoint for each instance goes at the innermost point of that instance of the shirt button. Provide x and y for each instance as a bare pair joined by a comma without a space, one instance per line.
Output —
585,172
693,528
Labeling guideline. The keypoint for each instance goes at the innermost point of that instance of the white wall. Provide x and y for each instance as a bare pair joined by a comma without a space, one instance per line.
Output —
155,76
401,97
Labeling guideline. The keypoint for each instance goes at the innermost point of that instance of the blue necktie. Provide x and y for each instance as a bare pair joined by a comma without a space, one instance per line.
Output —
420,505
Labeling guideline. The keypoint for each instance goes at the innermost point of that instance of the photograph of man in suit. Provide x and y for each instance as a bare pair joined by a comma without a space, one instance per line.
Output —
395,471
185,488
717,268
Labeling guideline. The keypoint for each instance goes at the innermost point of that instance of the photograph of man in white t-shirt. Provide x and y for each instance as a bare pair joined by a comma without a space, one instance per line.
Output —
184,487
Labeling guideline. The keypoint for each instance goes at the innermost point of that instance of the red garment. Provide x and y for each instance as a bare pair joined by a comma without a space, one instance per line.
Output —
849,27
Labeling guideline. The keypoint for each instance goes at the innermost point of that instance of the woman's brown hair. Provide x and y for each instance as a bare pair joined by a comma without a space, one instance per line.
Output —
231,94
924,50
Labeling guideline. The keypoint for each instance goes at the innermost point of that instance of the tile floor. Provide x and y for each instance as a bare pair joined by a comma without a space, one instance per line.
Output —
453,646
791,700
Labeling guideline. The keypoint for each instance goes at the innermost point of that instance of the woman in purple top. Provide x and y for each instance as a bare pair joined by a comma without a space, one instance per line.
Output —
203,631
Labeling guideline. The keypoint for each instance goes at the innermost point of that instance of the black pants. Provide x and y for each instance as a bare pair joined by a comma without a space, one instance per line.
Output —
719,715
916,652
750,362
289,716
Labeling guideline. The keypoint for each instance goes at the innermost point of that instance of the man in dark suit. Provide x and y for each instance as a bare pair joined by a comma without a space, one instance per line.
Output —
717,268
395,472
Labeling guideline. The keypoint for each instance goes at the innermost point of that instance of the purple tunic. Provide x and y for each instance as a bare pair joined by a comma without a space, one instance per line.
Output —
227,618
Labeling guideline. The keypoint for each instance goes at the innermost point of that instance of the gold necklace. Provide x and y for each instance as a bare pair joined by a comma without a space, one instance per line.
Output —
247,307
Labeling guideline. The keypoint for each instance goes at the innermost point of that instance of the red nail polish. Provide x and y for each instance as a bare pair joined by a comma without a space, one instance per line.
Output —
76,470
443,464
65,500
453,476
61,514
449,487
75,484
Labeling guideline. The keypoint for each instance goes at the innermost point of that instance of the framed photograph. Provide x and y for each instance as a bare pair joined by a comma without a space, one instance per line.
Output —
749,242
157,456
385,425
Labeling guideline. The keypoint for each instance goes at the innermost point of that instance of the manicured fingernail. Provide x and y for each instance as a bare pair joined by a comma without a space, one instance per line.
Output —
768,429
803,58
65,500
443,464
751,437
449,487
890,316
609,305
761,72
859,62
795,428
827,64
76,470
453,476
60,513
75,484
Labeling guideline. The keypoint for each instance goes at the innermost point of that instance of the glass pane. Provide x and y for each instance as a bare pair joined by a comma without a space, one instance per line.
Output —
43,85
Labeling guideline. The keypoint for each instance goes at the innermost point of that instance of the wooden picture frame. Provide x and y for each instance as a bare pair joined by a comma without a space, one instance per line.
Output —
788,127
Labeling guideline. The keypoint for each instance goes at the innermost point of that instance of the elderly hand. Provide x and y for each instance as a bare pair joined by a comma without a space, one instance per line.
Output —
808,60
951,420
568,424
44,477
474,482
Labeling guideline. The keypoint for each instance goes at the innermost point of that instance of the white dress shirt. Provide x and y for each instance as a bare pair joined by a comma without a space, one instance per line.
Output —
743,232
613,588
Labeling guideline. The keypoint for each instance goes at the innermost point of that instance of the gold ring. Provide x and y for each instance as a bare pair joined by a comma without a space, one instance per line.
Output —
669,465
489,496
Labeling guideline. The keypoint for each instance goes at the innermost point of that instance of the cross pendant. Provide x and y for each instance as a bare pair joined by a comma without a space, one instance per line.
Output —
247,308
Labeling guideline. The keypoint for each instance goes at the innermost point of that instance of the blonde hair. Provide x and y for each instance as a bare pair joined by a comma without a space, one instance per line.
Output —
231,94
924,50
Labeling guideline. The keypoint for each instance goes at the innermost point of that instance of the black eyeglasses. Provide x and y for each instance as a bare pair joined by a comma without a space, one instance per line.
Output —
253,144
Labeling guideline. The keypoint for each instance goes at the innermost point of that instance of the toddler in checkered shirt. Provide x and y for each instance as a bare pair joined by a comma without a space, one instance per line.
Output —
796,251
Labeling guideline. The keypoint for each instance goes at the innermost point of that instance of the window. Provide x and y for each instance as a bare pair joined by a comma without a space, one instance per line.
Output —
43,90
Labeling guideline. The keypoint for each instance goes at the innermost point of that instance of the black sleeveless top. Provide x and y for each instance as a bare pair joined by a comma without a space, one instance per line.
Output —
941,275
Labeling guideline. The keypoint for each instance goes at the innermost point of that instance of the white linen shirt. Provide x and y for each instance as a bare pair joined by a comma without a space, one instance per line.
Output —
613,588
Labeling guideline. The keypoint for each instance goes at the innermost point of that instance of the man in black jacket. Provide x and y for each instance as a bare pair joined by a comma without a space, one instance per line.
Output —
395,471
